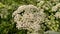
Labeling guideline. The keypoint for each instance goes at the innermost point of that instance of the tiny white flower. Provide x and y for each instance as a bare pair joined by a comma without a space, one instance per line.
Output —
58,5
54,8
57,15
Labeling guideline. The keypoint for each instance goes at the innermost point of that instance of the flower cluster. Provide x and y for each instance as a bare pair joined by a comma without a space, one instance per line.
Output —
28,17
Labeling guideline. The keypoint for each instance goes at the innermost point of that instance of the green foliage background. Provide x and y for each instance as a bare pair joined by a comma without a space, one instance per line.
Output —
7,26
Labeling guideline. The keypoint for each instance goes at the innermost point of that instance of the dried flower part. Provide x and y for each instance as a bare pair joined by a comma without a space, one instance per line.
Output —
28,17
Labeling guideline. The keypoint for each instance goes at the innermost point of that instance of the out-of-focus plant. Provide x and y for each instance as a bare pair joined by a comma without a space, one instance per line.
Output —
1,5
51,8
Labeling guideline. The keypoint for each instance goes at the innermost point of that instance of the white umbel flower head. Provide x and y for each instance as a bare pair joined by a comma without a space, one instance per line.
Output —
28,17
